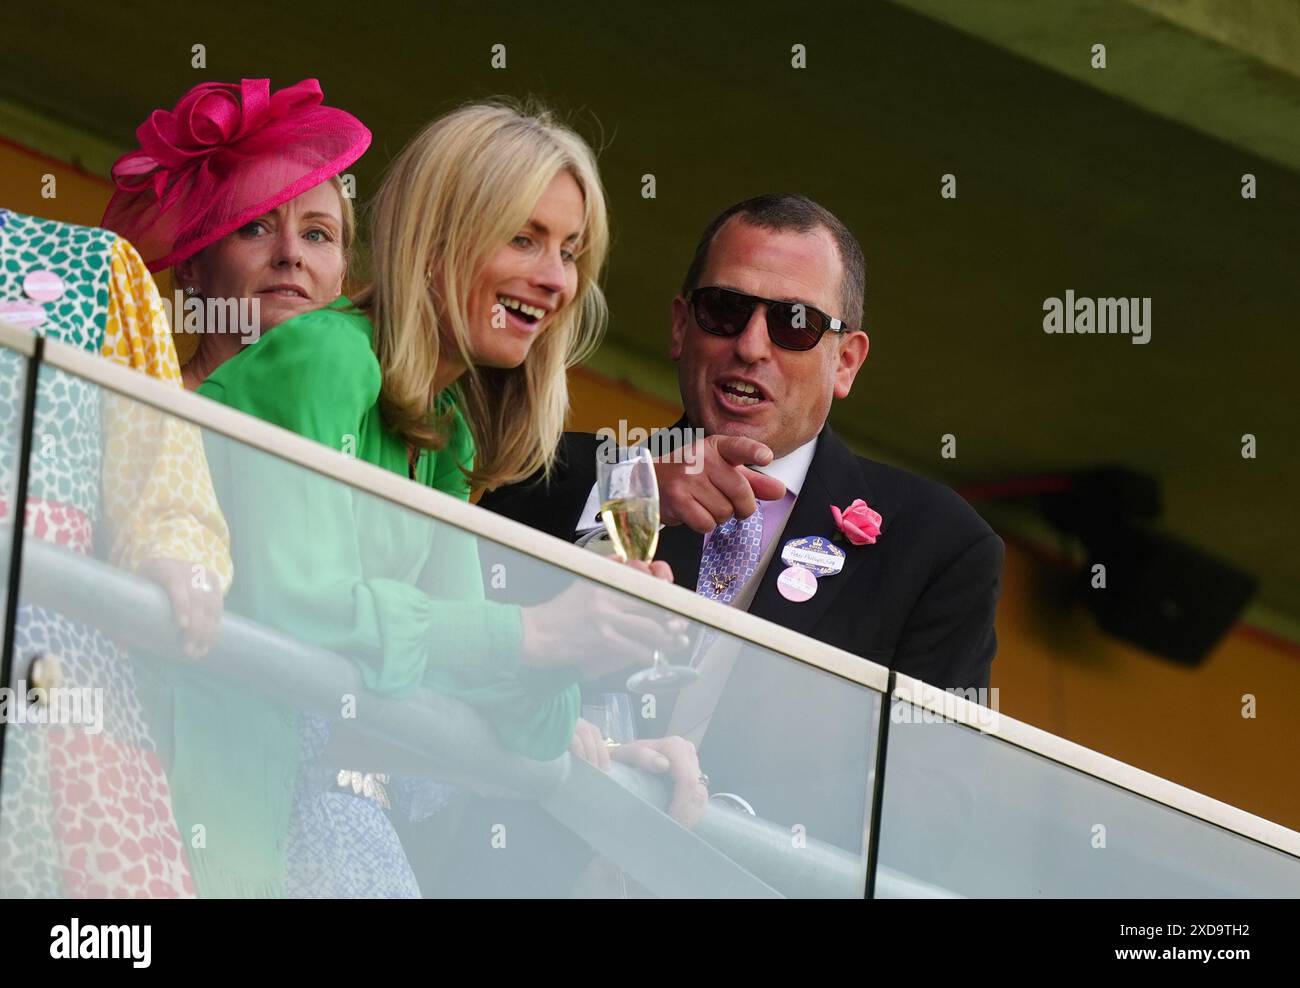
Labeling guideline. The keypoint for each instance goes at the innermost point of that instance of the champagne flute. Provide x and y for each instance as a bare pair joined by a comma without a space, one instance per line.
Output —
613,717
629,508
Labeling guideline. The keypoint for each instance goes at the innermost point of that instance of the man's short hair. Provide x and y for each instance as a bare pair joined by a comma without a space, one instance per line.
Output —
799,214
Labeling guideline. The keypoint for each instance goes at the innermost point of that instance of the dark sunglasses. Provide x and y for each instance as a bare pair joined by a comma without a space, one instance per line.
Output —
790,325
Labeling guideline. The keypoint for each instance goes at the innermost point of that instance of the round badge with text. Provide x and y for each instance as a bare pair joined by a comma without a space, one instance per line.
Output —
43,286
24,315
796,583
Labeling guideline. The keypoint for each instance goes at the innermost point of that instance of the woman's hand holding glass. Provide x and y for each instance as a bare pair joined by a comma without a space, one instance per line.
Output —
598,630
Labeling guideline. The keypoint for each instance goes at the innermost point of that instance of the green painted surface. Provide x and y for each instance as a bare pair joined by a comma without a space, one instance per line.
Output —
1196,63
1268,30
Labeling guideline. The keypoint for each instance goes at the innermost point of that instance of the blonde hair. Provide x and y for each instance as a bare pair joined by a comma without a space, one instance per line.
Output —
458,192
349,232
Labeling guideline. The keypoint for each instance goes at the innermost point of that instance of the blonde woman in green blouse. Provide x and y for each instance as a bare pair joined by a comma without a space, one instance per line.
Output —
488,237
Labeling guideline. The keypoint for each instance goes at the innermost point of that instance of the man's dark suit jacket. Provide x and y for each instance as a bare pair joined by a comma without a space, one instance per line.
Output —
921,600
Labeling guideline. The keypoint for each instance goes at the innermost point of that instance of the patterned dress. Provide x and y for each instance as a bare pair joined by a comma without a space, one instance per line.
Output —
87,813
342,845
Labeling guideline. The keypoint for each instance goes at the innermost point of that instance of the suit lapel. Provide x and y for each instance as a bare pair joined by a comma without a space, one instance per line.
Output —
834,477
681,549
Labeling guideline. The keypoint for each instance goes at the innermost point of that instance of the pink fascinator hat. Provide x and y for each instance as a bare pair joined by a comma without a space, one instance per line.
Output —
224,156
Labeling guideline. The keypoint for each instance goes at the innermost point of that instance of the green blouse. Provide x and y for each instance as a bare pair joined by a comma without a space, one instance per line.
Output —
350,572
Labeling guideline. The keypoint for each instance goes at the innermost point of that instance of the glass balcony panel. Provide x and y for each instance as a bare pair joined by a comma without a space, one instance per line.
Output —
389,707
966,813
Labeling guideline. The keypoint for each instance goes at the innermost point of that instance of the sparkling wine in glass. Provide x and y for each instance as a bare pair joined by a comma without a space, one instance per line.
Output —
633,526
629,508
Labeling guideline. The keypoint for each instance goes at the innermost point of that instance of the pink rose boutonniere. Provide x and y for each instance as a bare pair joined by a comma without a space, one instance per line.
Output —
859,523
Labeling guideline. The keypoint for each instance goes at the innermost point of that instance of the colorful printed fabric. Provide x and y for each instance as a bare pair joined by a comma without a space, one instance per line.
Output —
343,846
86,812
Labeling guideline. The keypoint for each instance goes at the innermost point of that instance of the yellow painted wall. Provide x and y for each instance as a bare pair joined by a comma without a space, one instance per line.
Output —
1054,669
78,198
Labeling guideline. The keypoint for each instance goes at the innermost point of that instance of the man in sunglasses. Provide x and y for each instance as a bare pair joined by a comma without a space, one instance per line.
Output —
767,332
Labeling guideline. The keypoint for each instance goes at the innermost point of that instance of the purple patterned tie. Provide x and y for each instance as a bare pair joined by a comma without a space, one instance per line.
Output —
730,557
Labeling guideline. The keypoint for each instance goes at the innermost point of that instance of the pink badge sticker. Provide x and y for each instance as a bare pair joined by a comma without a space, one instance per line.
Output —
796,583
24,315
43,286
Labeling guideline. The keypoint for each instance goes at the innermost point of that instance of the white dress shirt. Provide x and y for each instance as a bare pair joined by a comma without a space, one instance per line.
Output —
791,470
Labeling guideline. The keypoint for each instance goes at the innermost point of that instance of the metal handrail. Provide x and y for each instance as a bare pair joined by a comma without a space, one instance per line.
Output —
728,853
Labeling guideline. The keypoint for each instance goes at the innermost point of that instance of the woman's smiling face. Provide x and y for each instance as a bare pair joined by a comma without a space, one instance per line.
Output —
529,280
292,259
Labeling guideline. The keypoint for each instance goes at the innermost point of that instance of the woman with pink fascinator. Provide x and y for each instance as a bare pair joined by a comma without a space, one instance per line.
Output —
90,813
238,191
